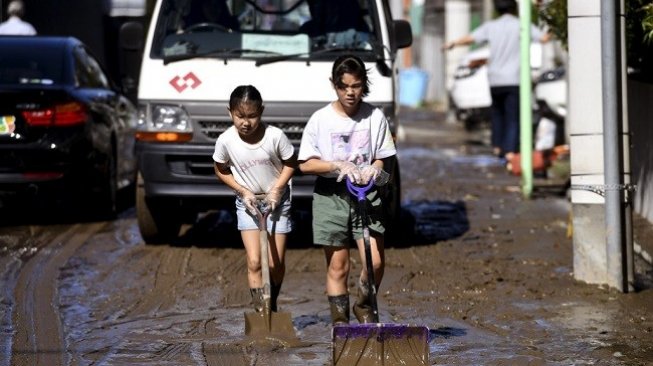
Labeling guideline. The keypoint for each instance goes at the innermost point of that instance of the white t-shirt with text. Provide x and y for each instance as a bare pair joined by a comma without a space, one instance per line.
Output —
361,139
254,166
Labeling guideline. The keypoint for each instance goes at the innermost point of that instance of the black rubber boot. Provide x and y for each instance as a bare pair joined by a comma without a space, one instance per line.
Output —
257,298
274,295
339,309
362,307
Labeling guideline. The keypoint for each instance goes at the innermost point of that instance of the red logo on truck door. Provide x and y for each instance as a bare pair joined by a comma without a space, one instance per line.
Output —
181,83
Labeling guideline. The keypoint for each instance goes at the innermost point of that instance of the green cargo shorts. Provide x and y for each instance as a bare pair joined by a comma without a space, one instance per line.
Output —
336,216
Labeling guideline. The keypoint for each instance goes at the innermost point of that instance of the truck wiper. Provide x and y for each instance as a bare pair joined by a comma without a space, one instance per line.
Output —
219,53
269,60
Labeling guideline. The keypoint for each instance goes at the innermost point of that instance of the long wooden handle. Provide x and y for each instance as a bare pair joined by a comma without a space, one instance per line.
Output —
265,265
265,268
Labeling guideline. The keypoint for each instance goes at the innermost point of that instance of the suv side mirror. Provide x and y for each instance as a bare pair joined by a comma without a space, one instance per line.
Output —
403,33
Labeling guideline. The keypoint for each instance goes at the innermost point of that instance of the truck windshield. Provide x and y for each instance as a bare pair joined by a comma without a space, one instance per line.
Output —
257,29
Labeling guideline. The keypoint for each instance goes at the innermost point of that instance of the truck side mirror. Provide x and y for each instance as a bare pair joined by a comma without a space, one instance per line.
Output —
130,40
131,36
403,33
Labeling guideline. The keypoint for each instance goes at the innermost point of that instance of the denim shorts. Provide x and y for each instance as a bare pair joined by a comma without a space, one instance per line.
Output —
336,218
278,221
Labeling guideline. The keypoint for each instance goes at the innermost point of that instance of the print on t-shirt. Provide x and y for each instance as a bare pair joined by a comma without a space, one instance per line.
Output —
256,162
351,146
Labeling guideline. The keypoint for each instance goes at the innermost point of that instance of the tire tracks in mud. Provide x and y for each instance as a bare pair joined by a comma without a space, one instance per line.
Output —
159,324
38,338
171,269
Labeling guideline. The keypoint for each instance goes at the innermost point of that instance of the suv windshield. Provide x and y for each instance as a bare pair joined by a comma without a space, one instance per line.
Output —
262,28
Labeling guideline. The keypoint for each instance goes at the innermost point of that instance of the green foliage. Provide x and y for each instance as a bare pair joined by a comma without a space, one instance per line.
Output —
639,32
647,23
639,38
554,15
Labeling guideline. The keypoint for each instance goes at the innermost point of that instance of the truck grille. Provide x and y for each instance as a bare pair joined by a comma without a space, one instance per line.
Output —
213,129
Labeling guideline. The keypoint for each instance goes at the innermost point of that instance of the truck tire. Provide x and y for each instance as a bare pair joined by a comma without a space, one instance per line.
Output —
156,225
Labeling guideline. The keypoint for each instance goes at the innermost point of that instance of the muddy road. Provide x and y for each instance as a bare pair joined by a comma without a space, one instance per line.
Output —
488,272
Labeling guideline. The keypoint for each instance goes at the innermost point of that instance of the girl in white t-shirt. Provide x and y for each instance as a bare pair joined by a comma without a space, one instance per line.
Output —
253,159
347,137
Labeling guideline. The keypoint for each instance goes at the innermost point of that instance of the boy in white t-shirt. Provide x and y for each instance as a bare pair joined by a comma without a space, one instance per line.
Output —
254,159
347,137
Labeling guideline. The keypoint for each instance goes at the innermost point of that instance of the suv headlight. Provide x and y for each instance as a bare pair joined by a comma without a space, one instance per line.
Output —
163,123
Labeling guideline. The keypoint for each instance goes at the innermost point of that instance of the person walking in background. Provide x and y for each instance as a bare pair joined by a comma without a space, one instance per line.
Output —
502,36
15,25
253,158
347,138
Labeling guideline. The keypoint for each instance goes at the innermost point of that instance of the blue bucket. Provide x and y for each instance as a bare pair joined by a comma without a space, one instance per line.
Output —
412,86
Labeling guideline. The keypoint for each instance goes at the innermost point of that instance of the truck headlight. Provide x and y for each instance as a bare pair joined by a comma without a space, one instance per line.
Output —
163,123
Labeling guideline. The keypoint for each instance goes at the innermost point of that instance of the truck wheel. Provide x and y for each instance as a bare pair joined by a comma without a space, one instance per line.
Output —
156,225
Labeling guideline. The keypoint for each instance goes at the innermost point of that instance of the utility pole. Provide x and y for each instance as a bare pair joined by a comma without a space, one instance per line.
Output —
488,10
525,98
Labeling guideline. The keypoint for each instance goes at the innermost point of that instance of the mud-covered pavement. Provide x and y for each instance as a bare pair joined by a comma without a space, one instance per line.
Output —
488,272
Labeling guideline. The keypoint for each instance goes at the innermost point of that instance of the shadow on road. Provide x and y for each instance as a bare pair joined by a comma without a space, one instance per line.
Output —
446,333
60,210
421,222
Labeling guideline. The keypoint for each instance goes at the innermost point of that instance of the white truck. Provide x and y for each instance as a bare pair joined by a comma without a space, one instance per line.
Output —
196,52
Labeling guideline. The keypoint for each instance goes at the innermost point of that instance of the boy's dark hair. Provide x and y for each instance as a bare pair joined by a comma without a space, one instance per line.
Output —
350,64
245,94
505,6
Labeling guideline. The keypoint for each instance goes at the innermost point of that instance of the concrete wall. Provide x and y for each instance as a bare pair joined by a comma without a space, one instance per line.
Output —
586,143
586,140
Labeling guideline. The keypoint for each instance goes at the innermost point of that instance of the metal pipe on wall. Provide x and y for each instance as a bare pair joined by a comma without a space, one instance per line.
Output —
614,187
